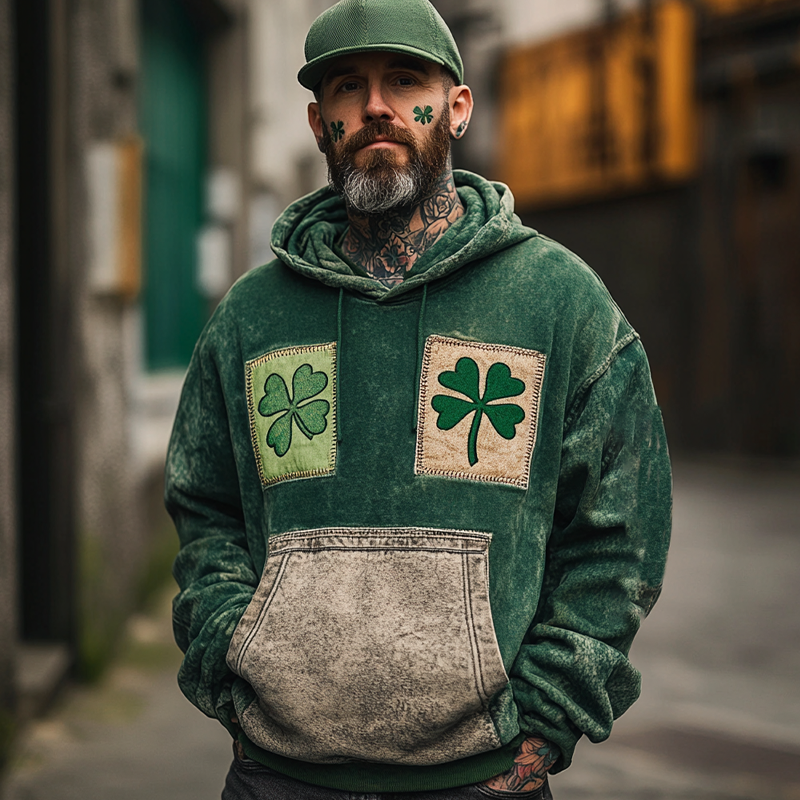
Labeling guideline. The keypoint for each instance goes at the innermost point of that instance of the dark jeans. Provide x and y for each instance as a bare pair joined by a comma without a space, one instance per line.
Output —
249,780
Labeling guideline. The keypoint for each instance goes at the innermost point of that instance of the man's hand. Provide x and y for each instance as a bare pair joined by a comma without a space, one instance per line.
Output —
534,758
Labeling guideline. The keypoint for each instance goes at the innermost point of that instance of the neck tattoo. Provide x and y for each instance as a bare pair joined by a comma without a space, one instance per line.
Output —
388,246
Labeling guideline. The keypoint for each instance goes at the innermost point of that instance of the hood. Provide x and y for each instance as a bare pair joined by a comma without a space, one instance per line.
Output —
304,237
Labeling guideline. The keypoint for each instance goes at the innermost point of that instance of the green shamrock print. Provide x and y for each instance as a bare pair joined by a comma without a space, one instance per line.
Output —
309,418
423,115
337,130
466,380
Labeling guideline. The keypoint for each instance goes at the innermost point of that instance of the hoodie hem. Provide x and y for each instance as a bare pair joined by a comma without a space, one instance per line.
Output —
361,776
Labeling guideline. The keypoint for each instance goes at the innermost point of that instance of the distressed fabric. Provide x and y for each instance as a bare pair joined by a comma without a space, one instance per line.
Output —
578,536
385,617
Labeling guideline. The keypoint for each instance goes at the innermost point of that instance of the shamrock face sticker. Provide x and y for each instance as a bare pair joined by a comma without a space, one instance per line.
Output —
310,417
337,130
478,410
423,115
504,417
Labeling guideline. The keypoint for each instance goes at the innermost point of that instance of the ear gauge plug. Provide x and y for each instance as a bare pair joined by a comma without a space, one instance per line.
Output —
460,130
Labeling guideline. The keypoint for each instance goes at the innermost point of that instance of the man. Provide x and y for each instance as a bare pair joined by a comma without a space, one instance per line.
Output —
418,471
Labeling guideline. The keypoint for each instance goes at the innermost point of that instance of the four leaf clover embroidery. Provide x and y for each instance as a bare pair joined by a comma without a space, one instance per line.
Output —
310,417
423,115
337,130
466,380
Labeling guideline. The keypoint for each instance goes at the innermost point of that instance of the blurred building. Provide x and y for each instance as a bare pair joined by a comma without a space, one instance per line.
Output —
147,146
286,163
660,140
124,216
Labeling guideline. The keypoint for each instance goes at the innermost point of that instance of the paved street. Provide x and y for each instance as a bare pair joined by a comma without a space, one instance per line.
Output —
719,715
719,718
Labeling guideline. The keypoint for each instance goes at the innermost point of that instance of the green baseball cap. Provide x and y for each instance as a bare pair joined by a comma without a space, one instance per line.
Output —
413,27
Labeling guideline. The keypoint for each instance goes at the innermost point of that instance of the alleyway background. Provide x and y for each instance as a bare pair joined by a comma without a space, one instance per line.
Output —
146,149
719,718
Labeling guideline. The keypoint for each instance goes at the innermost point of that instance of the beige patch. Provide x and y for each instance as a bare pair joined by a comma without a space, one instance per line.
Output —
374,644
448,452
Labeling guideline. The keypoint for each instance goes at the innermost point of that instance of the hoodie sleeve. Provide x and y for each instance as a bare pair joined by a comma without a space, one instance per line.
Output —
605,559
214,568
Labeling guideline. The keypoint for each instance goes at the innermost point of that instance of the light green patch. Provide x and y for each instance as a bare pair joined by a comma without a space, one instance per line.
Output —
291,397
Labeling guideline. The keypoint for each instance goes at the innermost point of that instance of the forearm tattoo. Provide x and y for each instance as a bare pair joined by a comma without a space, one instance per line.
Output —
533,760
389,246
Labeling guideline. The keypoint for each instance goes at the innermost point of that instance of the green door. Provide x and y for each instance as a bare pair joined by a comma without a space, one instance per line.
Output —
173,123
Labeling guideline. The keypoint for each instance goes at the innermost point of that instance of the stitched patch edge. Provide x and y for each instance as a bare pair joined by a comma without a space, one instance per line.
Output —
281,542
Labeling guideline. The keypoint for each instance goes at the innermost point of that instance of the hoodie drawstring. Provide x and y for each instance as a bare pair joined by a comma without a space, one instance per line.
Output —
338,365
420,347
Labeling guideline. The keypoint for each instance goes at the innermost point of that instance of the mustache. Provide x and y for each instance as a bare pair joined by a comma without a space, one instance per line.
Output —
372,132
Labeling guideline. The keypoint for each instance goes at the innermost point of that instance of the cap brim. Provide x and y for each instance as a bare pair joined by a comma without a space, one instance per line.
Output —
312,73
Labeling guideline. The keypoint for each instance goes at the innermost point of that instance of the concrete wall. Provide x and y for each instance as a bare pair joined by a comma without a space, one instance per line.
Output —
285,159
115,418
229,131
124,414
109,526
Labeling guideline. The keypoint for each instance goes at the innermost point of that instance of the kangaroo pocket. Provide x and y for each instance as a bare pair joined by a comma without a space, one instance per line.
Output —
372,644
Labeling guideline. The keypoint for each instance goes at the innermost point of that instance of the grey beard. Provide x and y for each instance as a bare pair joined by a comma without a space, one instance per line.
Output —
378,190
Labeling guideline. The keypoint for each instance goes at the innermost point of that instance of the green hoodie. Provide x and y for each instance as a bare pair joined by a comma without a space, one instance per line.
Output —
417,524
